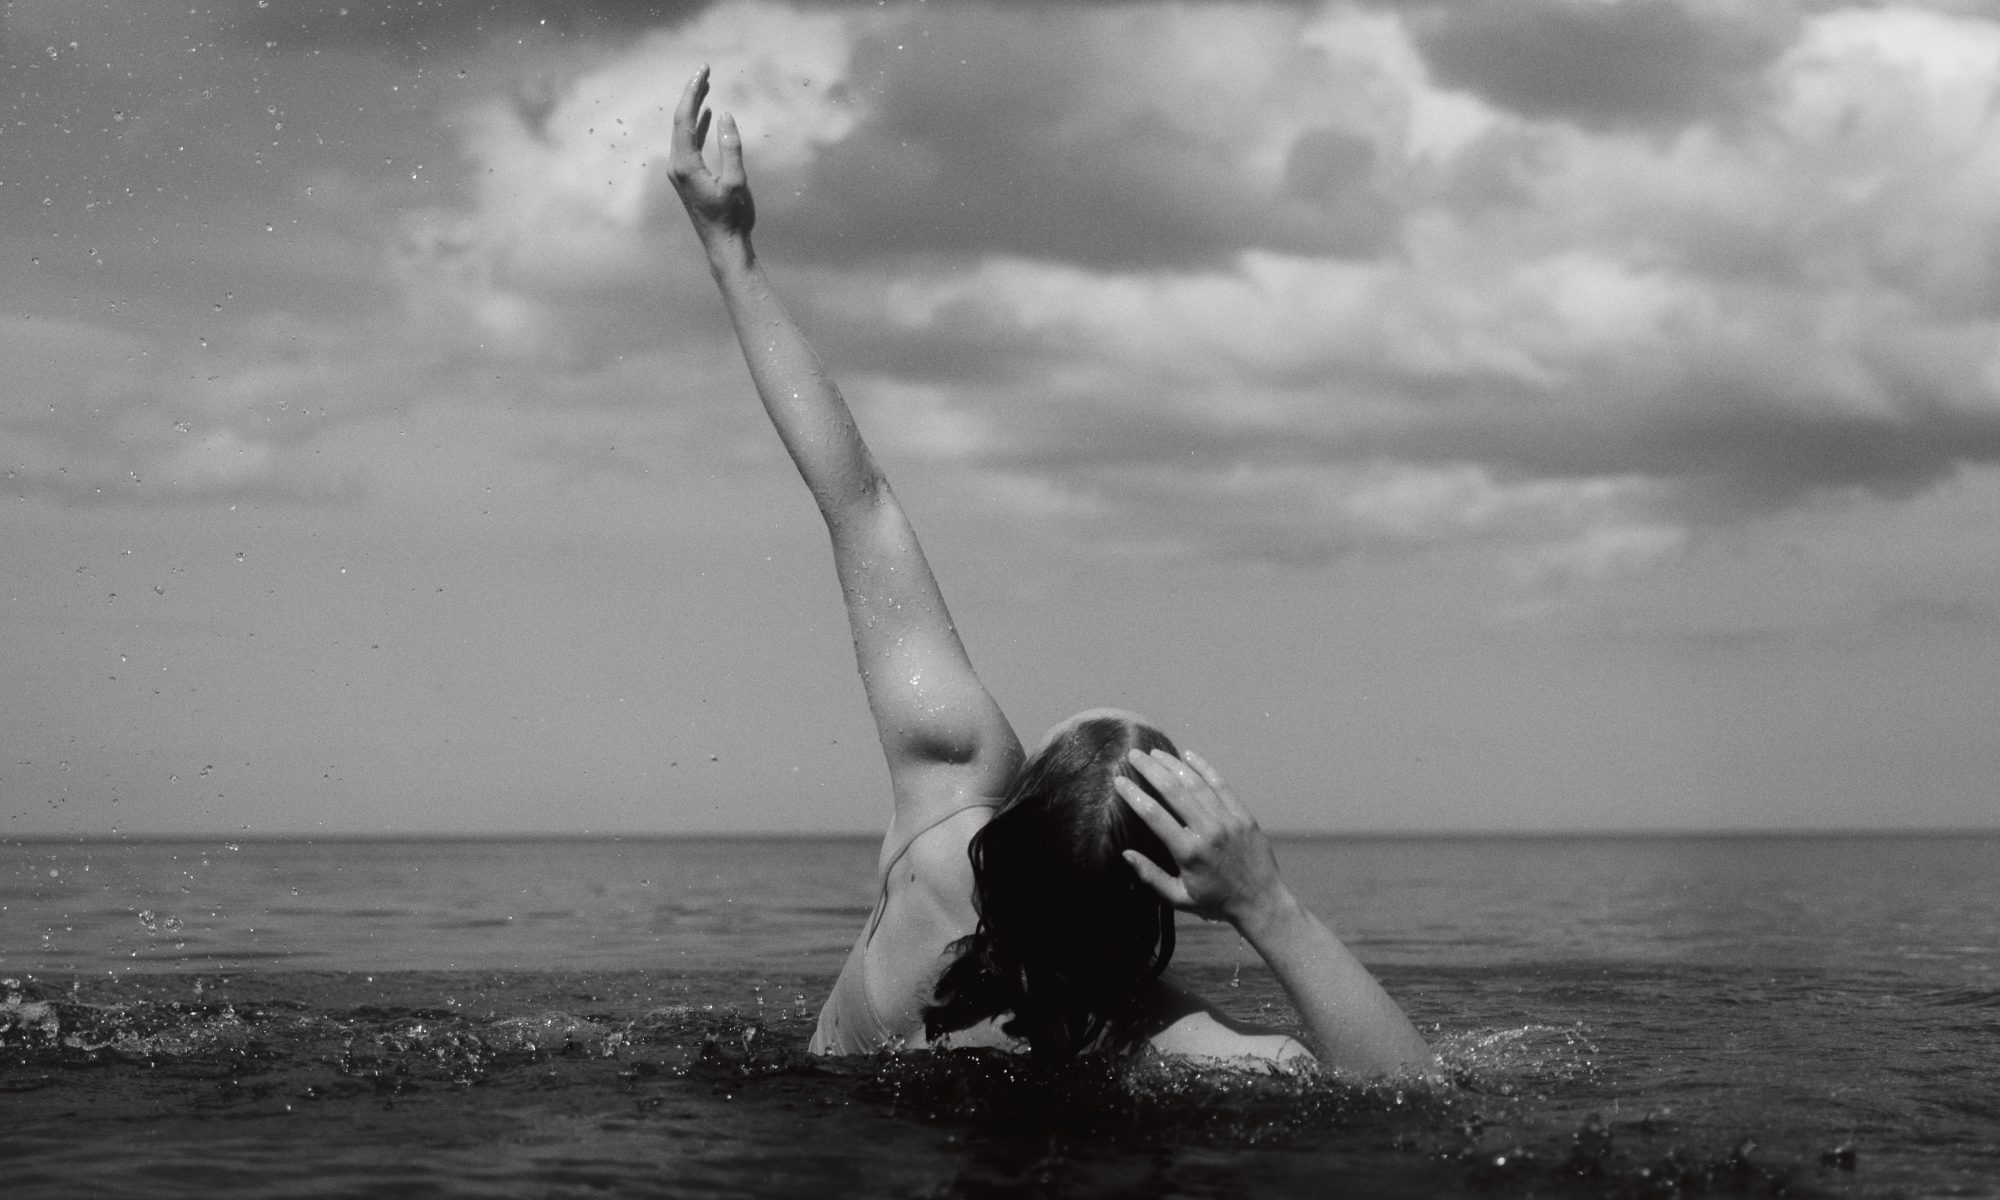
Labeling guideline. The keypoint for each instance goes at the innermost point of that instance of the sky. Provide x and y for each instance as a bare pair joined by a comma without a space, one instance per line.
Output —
1552,415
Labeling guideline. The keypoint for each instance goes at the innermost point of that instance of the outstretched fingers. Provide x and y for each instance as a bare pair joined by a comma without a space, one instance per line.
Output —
1167,887
1190,795
690,126
1175,836
731,143
1225,799
1168,830
1163,823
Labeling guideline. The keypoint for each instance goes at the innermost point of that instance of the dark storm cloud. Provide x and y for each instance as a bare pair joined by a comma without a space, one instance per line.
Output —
1642,64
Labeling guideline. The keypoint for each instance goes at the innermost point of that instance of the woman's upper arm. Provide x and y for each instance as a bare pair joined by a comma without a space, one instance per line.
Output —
945,738
1200,1034
1182,1023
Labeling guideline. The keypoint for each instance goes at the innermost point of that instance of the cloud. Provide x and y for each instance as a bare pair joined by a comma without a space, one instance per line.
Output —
1080,135
1278,281
223,460
517,280
117,417
1134,136
1565,533
1891,113
1674,317
1641,64
566,246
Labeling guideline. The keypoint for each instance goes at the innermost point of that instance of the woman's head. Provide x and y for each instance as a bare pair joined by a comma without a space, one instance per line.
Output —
1067,931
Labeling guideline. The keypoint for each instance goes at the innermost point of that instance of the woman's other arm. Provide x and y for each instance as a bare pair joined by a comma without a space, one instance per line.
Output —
945,739
1228,873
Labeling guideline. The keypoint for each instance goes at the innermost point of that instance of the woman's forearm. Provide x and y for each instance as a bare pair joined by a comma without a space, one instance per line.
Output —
1358,1027
806,408
811,417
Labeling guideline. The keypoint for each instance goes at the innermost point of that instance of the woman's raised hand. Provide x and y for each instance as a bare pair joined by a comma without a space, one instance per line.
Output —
1227,870
718,202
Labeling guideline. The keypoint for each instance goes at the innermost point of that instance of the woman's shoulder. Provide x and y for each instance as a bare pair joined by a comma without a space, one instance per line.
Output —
933,842
1175,1021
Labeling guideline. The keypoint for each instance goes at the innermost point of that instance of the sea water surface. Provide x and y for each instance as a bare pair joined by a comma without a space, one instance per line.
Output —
498,1018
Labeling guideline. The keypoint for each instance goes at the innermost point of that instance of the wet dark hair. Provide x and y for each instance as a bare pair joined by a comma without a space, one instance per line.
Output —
1067,930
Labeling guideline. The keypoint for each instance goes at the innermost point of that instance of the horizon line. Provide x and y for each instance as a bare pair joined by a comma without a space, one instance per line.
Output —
587,835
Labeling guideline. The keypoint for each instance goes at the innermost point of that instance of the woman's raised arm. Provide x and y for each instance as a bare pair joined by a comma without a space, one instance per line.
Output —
1228,873
945,739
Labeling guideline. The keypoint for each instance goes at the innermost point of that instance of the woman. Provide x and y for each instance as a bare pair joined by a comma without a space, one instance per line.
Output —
1024,898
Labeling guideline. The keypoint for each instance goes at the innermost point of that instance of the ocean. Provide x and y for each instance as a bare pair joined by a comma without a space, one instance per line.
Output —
1629,1017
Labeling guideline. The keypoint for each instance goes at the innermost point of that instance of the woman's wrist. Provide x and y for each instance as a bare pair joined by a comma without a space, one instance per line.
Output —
728,251
1265,916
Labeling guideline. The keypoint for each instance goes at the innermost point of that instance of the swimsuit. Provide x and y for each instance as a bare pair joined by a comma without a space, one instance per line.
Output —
849,1022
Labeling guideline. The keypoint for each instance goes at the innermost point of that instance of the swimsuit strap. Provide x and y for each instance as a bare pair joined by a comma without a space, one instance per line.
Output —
882,903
